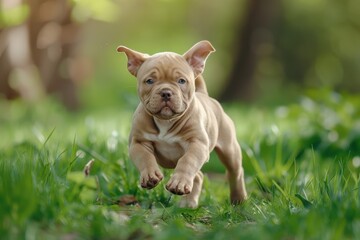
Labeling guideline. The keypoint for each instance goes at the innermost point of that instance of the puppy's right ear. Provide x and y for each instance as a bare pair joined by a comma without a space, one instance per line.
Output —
135,59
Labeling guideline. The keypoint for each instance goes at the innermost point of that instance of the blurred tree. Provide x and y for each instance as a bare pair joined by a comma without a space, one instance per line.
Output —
53,38
39,42
11,14
294,45
253,32
5,68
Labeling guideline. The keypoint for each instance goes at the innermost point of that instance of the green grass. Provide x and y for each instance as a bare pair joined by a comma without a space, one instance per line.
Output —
301,163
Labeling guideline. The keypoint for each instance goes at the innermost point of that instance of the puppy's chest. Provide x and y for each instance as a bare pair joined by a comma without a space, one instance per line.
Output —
168,148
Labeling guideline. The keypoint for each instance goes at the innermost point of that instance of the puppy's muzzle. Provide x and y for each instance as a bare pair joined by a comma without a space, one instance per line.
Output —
166,95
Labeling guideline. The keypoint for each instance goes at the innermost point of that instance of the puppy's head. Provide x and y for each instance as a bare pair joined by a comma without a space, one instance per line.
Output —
166,81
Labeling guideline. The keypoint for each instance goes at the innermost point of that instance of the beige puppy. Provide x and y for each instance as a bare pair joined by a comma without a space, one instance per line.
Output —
177,124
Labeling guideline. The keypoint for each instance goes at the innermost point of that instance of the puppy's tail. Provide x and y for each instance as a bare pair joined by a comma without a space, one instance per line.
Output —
200,85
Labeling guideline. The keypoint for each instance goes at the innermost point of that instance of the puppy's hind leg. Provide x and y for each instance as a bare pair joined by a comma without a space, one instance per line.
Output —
191,200
230,156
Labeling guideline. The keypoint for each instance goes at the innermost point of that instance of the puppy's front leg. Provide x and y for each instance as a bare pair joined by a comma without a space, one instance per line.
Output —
181,182
142,154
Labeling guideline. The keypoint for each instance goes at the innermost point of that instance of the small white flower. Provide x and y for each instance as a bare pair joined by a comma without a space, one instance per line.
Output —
356,161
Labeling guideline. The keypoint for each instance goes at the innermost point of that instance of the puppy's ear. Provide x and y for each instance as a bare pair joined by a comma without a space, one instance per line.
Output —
197,55
135,59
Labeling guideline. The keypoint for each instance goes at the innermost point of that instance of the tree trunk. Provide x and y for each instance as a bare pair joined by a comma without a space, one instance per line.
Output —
43,50
254,31
5,89
52,56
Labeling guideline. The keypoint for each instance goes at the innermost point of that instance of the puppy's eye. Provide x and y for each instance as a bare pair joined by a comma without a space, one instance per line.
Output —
149,81
181,81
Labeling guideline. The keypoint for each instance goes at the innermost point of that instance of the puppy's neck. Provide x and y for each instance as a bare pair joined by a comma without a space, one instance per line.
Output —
178,120
167,122
163,125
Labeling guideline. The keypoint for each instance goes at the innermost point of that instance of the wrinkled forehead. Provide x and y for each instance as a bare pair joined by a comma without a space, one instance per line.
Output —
165,65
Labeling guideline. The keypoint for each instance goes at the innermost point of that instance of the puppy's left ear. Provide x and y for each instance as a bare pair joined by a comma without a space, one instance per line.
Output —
197,55
135,59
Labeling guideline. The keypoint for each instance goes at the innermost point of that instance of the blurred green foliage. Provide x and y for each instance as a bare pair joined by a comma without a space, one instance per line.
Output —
13,16
152,27
99,10
313,44
318,43
310,44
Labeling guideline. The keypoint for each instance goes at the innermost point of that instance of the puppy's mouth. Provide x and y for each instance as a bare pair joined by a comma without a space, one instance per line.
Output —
165,110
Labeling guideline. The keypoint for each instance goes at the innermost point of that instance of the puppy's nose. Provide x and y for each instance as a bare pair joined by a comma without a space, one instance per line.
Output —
166,94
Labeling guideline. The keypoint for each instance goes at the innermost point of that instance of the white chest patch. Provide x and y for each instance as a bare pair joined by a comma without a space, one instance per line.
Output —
169,148
167,138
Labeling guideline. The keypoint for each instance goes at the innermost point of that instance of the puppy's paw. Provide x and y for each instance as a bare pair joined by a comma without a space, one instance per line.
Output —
179,184
150,178
188,203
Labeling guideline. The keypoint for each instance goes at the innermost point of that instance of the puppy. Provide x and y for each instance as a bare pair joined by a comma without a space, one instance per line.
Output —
177,124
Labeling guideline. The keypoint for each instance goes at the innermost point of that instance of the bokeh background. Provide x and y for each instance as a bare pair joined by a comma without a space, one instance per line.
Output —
268,52
286,71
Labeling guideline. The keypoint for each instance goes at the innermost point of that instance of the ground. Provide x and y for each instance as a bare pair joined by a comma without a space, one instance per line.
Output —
302,165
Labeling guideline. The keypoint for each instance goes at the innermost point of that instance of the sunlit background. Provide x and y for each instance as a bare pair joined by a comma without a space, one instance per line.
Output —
286,71
267,51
